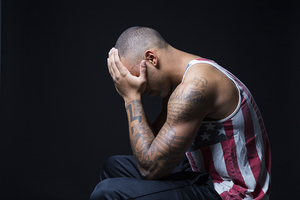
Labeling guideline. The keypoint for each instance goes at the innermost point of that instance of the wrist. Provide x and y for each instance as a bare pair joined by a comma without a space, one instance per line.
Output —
131,98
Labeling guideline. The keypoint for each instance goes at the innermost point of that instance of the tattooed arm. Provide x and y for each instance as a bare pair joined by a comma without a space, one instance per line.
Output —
157,156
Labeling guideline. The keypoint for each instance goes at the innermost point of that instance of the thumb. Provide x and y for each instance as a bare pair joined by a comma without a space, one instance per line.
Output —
143,70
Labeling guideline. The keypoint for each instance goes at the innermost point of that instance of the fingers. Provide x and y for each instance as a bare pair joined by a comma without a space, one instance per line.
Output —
126,84
121,68
110,64
143,71
115,66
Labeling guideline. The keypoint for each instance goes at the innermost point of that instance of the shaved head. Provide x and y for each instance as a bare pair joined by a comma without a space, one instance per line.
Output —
134,41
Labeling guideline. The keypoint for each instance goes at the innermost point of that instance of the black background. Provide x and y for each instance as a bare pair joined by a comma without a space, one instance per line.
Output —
61,116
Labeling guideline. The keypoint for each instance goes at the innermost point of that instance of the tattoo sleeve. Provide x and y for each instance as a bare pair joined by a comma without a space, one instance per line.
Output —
157,156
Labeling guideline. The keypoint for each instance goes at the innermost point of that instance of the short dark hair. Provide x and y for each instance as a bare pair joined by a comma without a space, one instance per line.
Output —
134,41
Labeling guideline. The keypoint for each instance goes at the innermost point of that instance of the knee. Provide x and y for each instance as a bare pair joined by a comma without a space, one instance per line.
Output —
106,189
111,163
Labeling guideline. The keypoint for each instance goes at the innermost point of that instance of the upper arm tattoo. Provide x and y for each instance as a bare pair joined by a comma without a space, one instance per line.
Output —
185,99
182,103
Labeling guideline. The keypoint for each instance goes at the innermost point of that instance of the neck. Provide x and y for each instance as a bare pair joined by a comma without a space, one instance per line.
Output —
174,63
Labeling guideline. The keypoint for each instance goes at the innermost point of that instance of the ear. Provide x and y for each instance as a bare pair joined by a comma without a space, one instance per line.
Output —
151,57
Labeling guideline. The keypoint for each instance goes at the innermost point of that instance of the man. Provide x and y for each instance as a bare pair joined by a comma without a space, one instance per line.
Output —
210,118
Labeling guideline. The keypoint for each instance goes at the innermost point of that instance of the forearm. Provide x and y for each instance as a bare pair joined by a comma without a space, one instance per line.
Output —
156,156
141,134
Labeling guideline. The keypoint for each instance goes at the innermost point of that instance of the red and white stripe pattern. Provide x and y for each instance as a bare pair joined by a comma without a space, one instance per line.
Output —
235,151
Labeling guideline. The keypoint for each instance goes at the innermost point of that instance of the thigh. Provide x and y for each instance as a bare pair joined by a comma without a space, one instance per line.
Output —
187,185
120,166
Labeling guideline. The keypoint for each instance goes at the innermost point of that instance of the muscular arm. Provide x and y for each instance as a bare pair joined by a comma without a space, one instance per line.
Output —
187,106
157,156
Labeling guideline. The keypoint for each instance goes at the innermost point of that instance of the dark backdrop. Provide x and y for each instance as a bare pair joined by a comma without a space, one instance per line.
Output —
61,116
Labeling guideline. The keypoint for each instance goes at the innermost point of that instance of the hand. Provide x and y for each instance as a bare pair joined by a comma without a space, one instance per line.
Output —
128,86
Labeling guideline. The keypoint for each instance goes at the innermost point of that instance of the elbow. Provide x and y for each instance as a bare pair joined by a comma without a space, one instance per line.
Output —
149,176
153,174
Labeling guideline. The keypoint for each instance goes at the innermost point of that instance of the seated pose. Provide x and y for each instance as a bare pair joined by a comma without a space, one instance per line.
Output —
208,142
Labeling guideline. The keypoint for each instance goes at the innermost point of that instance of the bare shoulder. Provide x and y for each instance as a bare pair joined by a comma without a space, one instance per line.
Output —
222,92
191,91
191,100
200,82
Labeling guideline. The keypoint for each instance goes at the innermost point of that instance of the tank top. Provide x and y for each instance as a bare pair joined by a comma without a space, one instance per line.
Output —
235,151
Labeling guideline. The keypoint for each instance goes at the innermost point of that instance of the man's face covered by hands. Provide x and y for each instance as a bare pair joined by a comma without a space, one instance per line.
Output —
128,86
156,85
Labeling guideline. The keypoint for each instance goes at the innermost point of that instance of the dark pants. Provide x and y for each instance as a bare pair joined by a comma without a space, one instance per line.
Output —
120,179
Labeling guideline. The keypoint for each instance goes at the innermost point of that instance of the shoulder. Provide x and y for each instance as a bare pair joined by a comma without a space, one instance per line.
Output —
200,80
198,70
191,91
192,99
221,92
217,83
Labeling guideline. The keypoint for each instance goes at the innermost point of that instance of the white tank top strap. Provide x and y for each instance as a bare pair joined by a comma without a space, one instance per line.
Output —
196,61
